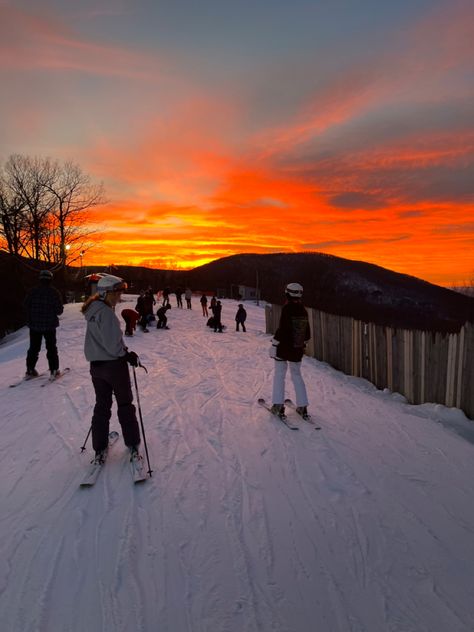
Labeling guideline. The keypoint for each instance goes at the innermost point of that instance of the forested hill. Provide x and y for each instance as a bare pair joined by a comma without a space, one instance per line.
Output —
342,286
333,284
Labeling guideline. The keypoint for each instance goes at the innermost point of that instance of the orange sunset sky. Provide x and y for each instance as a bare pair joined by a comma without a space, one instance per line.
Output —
225,127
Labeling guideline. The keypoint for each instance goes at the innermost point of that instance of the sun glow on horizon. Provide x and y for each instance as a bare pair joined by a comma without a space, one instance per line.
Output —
311,144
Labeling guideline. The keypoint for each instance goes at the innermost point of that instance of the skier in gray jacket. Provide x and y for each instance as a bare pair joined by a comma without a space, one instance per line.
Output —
104,348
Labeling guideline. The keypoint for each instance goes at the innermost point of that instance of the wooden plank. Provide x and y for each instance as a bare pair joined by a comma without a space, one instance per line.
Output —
467,388
389,347
422,356
460,367
450,370
407,337
310,345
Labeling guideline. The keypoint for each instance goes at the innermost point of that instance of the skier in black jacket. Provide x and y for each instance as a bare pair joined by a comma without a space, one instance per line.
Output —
287,349
217,317
240,318
43,305
162,318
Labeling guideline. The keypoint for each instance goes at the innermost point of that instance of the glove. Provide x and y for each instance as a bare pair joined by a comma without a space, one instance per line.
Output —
132,358
273,348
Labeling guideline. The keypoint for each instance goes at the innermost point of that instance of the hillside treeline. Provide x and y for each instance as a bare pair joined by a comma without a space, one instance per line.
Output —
340,286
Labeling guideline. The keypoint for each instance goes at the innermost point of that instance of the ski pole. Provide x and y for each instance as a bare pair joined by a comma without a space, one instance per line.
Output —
141,418
84,446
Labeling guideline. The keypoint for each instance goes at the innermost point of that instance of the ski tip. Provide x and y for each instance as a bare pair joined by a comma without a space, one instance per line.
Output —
261,400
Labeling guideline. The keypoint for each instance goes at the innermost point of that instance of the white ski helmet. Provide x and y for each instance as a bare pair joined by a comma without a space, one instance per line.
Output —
294,290
110,283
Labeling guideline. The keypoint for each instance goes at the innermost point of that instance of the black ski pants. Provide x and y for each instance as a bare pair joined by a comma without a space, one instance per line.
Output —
162,320
111,377
36,338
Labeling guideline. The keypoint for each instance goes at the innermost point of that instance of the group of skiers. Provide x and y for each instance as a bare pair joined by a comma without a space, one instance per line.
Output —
105,349
143,312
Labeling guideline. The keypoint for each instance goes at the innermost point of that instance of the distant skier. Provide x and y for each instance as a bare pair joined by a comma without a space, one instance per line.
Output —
144,307
105,349
166,296
203,301
162,318
287,349
43,305
240,318
213,303
188,296
217,317
179,297
130,317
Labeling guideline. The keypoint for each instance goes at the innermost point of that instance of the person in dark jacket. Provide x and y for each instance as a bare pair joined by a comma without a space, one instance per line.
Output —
144,307
188,295
43,305
104,348
288,347
162,318
166,296
179,297
213,303
217,317
240,318
203,301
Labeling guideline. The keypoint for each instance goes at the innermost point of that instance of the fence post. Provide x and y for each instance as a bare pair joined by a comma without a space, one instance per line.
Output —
451,369
388,335
408,364
422,366
460,367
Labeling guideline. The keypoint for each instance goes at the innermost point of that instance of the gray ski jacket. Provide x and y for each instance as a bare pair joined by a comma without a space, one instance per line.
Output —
103,335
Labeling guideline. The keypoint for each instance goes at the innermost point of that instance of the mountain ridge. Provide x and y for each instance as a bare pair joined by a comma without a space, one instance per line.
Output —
357,289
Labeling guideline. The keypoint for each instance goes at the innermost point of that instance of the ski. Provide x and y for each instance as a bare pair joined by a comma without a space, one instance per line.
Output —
54,378
307,417
282,417
96,465
138,468
26,378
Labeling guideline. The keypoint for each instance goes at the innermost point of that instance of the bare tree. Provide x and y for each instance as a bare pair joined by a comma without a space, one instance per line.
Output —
26,178
12,217
74,194
44,208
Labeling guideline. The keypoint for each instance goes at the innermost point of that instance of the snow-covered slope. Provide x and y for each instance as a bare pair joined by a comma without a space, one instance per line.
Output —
245,526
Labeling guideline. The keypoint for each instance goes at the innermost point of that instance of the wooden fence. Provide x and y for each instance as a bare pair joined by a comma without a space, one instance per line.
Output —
423,366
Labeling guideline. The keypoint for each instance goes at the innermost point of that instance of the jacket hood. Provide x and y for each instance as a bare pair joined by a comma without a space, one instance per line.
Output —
94,308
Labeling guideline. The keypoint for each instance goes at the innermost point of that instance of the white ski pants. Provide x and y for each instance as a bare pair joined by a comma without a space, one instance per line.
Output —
278,396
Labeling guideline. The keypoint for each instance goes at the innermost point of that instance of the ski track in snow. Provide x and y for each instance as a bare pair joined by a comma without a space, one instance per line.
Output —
245,526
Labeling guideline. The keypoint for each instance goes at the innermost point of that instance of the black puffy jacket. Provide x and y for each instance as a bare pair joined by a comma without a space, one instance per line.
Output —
293,331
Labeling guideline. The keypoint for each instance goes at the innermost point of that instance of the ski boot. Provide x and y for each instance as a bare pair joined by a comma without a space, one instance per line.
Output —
279,410
303,412
134,453
99,458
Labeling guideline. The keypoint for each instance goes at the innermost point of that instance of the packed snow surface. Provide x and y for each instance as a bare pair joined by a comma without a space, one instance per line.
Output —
364,526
